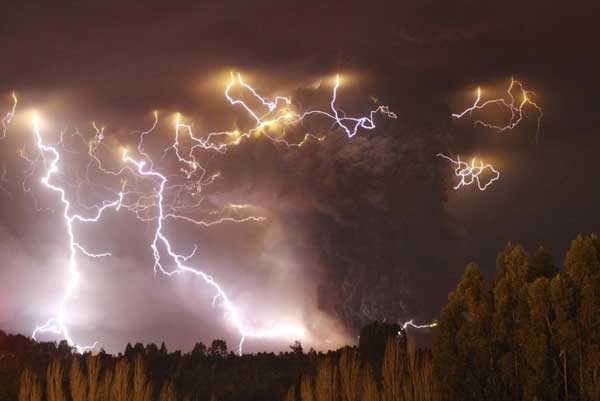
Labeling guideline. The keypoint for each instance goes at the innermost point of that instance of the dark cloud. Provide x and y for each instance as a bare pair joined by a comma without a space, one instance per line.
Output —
357,229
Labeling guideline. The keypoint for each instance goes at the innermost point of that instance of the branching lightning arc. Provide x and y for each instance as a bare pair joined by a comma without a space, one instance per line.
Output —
471,173
510,103
158,197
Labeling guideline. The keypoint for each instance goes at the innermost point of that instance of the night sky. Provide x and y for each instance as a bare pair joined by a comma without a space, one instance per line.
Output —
356,229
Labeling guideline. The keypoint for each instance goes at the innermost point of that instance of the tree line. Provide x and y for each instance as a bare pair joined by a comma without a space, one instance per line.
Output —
531,333
47,371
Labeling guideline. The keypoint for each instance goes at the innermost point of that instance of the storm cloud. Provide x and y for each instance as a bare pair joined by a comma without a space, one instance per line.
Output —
356,229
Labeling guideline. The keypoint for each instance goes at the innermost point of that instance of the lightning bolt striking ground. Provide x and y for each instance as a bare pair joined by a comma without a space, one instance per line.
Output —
169,195
57,324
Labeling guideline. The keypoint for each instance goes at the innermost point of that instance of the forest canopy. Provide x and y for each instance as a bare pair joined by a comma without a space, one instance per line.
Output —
531,333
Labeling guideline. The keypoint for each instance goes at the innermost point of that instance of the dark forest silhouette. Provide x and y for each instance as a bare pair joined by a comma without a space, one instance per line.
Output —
533,334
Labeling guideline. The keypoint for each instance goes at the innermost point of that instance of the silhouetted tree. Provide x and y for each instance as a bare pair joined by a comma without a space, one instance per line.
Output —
163,348
372,342
218,348
199,350
296,348
129,352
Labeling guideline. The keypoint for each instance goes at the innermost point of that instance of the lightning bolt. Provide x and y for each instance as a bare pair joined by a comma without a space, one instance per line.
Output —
57,324
181,266
411,323
515,107
6,120
471,173
350,125
166,200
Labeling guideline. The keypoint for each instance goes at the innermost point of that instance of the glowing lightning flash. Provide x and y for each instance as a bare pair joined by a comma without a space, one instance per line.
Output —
410,323
516,108
262,121
8,117
57,325
6,120
471,173
166,200
180,263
